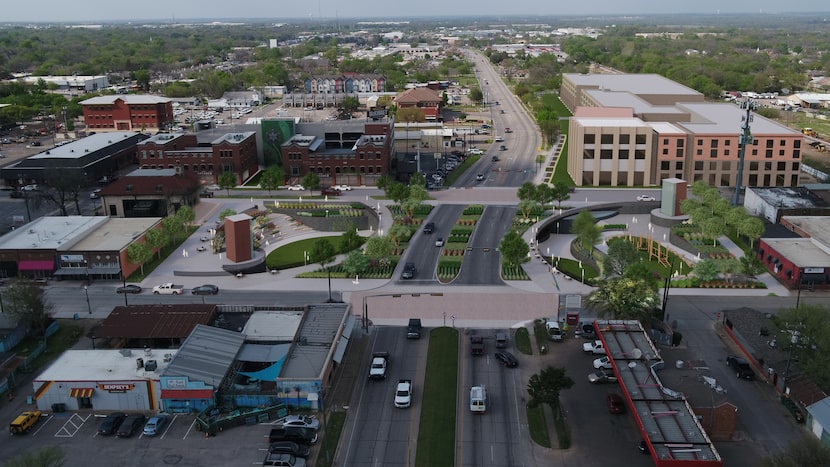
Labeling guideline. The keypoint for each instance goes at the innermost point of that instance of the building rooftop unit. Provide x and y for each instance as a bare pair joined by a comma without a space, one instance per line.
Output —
106,365
234,138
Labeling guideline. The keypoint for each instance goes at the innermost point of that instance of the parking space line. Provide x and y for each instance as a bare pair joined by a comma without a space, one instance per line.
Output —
189,429
71,426
169,425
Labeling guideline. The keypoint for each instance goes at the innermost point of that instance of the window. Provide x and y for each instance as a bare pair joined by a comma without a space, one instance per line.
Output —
640,154
713,143
700,142
640,139
795,166
782,166
753,166
626,139
796,154
754,152
680,142
781,152
698,165
679,152
770,143
665,152
360,156
589,138
783,142
713,153
700,152
767,166
605,154
623,154
678,166
727,142
665,141
726,152
607,139
768,153
797,144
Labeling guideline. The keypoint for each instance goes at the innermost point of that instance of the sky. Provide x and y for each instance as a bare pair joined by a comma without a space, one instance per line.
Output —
99,11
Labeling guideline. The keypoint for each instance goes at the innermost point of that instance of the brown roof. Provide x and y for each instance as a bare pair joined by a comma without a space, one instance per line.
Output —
418,95
150,185
155,321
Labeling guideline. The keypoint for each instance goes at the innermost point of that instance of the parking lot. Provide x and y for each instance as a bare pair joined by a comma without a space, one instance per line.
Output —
180,443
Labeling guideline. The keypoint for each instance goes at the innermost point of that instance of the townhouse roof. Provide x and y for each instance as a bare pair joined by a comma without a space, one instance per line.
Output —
608,98
234,138
129,99
817,227
802,252
608,121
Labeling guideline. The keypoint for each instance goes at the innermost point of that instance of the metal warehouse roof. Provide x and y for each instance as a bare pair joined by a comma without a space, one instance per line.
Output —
664,416
155,321
206,355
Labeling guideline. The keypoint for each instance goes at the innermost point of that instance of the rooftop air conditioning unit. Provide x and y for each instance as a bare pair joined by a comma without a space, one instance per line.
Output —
151,365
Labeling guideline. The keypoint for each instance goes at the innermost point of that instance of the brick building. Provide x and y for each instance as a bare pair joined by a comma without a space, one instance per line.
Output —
128,112
349,152
150,193
230,152
426,99
633,130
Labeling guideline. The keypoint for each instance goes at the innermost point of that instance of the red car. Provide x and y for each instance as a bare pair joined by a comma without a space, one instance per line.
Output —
330,192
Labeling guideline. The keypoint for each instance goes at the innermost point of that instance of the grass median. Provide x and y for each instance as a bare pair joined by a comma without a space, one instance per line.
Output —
436,431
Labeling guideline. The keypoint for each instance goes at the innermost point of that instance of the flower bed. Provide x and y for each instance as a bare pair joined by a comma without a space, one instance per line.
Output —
513,273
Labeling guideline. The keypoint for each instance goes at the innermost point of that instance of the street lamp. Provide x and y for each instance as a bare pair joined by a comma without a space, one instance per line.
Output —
793,342
88,306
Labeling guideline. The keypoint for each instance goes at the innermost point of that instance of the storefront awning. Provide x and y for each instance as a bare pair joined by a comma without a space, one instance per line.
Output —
36,265
70,272
105,271
81,392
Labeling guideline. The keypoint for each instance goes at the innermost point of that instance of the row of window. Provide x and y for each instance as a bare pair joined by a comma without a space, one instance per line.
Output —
346,170
714,153
112,125
624,138
206,168
753,166
297,156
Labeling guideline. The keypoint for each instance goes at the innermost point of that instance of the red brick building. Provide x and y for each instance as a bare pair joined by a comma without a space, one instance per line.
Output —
128,112
428,100
356,153
231,152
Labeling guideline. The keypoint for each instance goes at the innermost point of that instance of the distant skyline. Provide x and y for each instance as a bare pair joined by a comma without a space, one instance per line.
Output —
99,11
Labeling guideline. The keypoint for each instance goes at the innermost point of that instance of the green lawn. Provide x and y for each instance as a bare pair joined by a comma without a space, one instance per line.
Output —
537,426
154,262
334,428
522,339
436,432
291,255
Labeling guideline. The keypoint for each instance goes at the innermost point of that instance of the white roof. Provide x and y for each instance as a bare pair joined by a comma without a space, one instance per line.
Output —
644,84
725,118
82,147
273,326
116,234
104,365
128,98
51,233
610,121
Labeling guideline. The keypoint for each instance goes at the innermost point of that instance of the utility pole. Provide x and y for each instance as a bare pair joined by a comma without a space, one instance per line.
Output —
744,140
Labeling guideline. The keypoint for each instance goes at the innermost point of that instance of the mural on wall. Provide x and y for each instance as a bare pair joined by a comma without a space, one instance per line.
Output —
275,132
296,392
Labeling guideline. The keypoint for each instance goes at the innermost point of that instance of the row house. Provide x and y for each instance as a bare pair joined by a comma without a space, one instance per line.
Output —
347,83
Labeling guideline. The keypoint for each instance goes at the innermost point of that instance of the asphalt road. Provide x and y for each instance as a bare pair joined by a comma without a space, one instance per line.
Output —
422,250
482,259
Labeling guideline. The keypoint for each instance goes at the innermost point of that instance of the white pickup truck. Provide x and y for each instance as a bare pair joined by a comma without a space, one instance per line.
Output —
403,395
168,289
378,368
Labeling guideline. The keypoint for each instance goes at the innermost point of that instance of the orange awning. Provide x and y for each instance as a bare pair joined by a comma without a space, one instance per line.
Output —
80,392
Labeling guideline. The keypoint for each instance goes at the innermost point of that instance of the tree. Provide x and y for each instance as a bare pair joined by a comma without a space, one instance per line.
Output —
806,451
812,323
398,232
750,267
61,187
26,300
49,456
417,179
625,298
706,270
356,263
561,192
139,253
418,193
323,253
587,231
272,178
311,182
544,387
752,228
409,206
186,215
156,239
173,226
226,213
396,191
513,249
410,114
526,192
378,248
227,180
526,207
142,78
713,228
350,240
475,94
350,104
621,254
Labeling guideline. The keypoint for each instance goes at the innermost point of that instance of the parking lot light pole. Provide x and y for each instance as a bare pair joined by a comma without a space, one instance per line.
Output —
86,292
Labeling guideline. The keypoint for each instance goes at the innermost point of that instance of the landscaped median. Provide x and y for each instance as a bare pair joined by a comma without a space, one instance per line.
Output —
436,430
452,253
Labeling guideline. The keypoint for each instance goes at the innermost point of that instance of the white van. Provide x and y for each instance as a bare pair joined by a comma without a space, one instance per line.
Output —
478,399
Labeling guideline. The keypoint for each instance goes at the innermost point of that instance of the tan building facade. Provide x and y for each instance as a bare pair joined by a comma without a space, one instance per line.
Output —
619,138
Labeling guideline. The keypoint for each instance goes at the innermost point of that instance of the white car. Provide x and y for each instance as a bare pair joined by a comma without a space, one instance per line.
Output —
302,421
595,348
96,193
343,187
480,177
499,139
476,152
32,187
439,242
213,187
645,198
296,188
602,364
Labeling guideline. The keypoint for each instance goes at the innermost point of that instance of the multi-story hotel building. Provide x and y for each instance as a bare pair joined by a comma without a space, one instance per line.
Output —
128,112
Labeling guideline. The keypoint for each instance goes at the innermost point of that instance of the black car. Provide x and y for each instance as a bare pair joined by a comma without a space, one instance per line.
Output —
742,368
130,425
429,227
110,423
507,359
207,289
129,288
299,435
289,447
408,271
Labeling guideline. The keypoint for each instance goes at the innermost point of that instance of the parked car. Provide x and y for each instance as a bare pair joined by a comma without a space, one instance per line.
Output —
615,403
429,227
329,191
602,376
408,271
507,359
742,367
129,288
213,187
32,187
304,436
206,289
154,425
281,459
595,347
130,425
110,423
439,242
296,188
603,363
343,187
645,198
476,152
301,421
289,447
